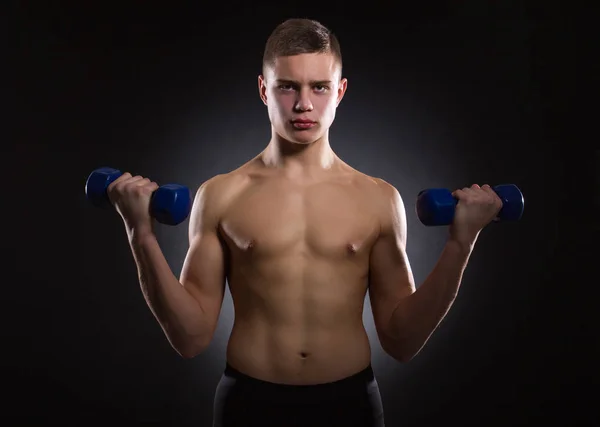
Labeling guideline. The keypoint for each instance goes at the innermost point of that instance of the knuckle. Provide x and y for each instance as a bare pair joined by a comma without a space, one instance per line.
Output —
130,189
119,186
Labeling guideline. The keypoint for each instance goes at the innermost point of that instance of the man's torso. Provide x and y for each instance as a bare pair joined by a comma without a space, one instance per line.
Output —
298,262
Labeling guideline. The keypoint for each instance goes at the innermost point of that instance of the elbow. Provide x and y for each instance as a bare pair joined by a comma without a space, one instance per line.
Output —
405,357
190,352
187,354
398,351
192,348
402,357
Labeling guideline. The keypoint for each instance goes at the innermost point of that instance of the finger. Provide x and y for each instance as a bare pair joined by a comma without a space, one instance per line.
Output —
459,194
466,191
127,185
135,180
130,183
144,187
125,182
475,187
491,194
487,189
124,177
149,186
142,182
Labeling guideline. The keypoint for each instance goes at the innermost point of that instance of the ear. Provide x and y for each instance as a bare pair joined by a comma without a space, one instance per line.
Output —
341,90
262,89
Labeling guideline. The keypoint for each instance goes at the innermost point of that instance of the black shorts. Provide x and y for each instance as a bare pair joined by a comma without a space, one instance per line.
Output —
243,401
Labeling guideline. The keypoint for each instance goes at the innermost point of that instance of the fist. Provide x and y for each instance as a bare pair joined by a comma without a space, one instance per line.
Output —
477,207
131,197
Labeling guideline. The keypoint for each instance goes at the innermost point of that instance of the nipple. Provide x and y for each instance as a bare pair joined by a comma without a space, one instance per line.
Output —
249,245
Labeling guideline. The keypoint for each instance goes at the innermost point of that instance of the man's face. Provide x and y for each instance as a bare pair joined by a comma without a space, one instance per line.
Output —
302,93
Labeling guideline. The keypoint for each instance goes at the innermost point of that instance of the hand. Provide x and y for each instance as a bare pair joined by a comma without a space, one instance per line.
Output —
131,198
477,207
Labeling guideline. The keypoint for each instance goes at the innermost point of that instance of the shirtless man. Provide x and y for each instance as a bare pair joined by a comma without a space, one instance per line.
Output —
300,237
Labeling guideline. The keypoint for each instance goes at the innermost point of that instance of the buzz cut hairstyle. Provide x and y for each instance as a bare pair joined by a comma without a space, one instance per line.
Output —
297,36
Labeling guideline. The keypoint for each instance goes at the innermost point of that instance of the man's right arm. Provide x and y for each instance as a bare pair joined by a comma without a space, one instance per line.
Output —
186,309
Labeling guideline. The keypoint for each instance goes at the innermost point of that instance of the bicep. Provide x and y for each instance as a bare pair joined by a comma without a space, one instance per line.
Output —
203,271
390,274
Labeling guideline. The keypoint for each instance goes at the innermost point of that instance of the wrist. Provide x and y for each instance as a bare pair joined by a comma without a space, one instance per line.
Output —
464,245
140,233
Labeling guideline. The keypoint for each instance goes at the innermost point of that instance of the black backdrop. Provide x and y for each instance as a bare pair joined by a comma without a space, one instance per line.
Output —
437,97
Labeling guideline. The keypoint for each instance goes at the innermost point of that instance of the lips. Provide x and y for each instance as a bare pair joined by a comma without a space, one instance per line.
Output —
303,124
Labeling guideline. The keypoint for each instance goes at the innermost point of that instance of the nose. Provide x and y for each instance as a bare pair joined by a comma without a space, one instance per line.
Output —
303,103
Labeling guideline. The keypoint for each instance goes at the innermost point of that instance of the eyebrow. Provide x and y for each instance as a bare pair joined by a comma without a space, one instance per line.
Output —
312,82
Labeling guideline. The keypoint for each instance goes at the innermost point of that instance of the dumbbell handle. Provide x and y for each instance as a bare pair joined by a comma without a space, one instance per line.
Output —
169,204
436,206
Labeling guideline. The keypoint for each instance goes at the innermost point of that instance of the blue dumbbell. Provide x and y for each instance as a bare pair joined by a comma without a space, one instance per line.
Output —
436,206
170,204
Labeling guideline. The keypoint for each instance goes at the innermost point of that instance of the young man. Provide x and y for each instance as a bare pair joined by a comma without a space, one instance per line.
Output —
301,237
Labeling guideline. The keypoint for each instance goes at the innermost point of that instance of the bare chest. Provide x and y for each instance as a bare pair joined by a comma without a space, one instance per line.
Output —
326,221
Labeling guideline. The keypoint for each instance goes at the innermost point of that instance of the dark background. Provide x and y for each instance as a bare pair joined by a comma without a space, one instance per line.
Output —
438,96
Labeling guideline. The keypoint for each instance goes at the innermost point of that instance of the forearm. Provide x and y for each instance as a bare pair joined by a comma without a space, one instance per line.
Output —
417,316
178,313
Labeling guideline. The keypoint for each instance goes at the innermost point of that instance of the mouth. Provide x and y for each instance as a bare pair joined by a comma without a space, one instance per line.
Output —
303,124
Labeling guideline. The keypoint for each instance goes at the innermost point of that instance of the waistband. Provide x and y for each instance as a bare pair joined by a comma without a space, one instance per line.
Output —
356,383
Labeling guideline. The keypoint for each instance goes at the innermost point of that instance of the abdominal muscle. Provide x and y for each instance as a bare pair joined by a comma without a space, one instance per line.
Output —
292,331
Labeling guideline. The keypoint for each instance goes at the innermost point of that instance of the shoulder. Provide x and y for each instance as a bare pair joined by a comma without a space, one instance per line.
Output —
221,188
389,195
382,194
386,200
214,195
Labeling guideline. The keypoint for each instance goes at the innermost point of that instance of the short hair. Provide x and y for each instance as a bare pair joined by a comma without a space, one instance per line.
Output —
297,36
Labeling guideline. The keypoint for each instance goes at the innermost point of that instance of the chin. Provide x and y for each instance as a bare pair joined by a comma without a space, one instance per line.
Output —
302,139
302,136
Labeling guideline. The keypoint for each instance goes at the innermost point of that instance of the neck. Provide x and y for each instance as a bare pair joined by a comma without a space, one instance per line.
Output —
298,158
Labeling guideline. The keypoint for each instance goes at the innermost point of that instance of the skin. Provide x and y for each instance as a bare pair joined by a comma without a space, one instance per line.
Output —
301,238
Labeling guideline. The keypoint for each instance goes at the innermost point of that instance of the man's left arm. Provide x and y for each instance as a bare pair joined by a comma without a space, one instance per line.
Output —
406,316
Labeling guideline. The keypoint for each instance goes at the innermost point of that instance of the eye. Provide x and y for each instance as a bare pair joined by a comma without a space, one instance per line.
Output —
285,87
321,88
